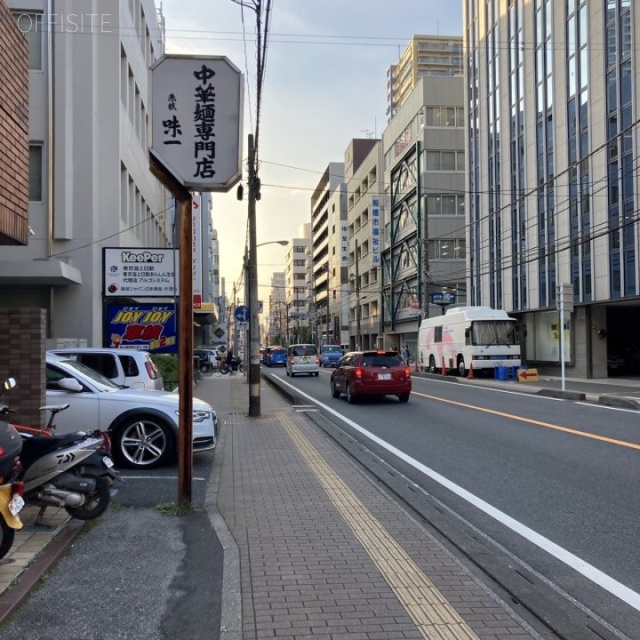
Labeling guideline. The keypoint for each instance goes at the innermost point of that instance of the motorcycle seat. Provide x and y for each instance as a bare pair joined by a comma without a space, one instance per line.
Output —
37,446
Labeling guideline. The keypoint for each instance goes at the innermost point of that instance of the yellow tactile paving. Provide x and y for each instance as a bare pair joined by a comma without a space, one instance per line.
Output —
434,617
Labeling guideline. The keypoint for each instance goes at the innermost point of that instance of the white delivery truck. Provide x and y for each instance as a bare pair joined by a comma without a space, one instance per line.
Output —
464,336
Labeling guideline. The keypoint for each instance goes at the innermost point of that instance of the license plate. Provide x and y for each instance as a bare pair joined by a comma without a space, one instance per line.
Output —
16,504
305,358
108,462
384,376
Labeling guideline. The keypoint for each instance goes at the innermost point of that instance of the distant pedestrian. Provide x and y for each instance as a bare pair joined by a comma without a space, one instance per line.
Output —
404,354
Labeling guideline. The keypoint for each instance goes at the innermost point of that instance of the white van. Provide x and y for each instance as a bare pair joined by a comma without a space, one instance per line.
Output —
303,358
481,337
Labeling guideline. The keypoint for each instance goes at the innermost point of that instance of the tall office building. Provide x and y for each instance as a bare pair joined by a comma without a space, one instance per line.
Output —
552,175
424,56
329,253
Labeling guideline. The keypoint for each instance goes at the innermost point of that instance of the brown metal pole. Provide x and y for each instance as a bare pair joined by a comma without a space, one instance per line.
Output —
185,354
185,328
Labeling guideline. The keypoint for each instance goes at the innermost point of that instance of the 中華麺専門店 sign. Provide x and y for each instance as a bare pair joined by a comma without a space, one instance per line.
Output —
197,114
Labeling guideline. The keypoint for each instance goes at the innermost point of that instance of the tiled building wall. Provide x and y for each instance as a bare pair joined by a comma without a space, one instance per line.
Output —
22,336
14,131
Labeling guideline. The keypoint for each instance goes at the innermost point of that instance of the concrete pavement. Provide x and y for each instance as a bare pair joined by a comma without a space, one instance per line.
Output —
311,548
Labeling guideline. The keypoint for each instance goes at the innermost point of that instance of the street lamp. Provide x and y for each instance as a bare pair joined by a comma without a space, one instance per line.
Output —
251,280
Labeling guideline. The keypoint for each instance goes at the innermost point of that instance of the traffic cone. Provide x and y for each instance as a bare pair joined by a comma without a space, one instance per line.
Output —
444,367
471,376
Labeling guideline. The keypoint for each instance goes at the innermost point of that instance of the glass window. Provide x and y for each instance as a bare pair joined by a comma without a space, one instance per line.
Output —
448,205
31,25
35,173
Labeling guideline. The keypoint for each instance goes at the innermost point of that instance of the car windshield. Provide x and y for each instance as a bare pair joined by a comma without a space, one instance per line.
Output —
332,349
378,360
278,352
98,380
489,332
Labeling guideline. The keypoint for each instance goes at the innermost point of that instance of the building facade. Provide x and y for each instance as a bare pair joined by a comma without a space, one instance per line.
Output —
329,245
89,184
424,55
423,249
364,175
297,284
553,177
278,329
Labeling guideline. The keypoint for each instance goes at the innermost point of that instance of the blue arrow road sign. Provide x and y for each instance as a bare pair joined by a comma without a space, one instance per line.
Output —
241,313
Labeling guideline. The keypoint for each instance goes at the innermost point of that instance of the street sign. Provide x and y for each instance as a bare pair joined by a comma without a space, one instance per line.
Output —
528,375
241,313
564,297
197,107
443,297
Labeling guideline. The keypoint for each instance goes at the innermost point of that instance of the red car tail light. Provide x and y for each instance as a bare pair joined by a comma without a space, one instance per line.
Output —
150,372
357,373
407,372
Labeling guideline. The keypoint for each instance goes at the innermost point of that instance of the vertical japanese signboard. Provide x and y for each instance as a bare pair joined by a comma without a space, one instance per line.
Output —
344,244
375,232
197,114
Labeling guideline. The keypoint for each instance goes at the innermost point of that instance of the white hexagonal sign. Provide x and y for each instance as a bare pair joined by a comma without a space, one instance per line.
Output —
196,123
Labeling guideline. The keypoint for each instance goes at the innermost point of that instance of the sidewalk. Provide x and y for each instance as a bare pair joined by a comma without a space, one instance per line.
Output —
324,553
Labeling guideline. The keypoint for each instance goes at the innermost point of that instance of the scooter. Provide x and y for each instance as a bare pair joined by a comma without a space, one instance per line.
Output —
11,501
74,471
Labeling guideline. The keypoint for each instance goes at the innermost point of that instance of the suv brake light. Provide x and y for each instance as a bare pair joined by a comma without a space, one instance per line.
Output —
150,370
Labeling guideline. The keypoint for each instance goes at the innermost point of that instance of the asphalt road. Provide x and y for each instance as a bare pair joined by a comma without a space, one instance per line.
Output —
551,483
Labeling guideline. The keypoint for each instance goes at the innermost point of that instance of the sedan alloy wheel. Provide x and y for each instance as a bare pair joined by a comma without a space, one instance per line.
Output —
143,442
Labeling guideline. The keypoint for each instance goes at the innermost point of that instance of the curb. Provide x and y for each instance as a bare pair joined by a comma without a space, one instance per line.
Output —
617,401
30,577
567,395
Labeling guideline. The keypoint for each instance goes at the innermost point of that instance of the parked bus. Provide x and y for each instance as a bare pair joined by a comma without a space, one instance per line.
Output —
464,336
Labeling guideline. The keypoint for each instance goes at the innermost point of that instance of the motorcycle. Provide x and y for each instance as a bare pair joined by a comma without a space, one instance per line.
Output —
74,471
11,501
236,365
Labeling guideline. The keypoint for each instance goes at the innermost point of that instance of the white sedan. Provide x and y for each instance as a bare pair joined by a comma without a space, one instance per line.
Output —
143,423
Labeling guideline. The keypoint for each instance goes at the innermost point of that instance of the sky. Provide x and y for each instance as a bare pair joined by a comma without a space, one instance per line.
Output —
324,84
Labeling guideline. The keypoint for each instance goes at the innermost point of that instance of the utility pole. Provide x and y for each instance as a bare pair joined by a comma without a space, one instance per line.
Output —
252,272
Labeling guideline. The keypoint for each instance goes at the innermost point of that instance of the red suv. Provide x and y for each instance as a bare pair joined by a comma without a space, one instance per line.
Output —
371,373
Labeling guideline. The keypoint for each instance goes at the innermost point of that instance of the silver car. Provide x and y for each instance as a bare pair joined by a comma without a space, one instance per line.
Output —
303,358
143,424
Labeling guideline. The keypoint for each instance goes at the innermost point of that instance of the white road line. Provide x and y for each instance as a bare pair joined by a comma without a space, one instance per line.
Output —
632,598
